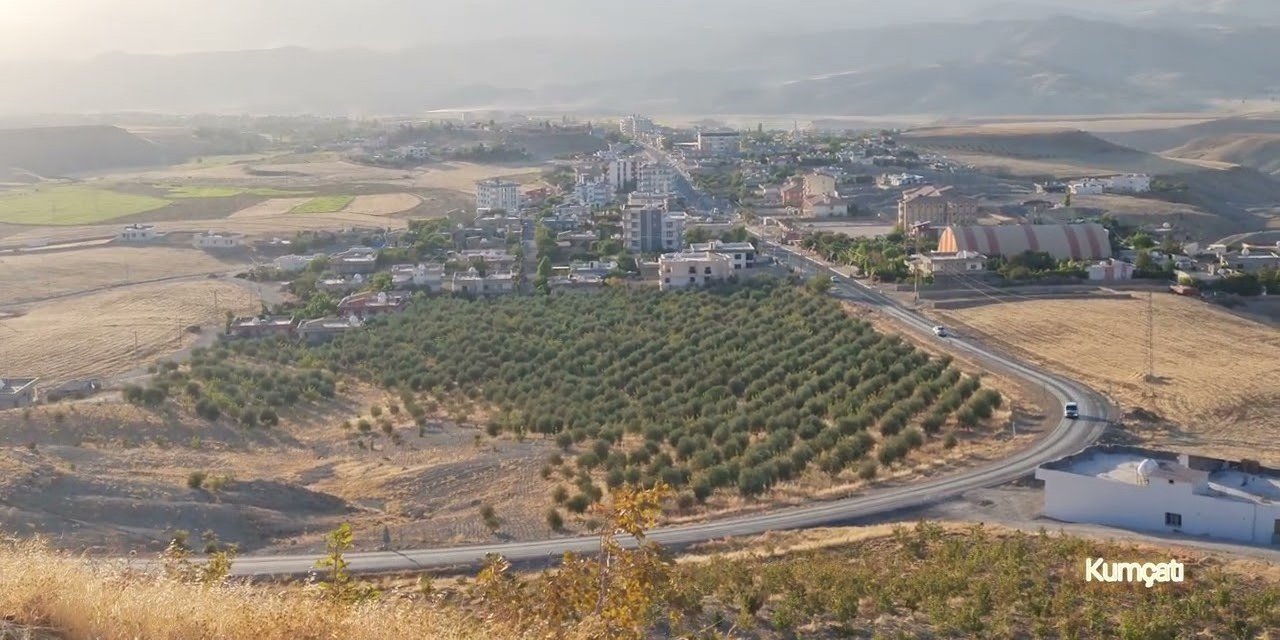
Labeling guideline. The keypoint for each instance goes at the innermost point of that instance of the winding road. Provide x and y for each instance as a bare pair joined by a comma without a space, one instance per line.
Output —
1069,437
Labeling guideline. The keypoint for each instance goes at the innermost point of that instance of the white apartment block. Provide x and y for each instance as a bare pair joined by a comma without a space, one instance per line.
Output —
496,194
656,178
682,270
819,184
635,126
593,194
720,143
621,171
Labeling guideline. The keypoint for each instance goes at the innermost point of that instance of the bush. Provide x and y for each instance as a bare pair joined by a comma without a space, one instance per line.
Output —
195,479
375,411
949,442
555,521
268,417
559,494
578,503
867,470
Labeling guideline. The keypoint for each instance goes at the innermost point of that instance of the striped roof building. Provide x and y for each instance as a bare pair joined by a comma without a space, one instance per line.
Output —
1088,241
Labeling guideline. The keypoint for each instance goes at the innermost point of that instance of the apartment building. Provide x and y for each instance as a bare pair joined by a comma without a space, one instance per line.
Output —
621,172
494,194
655,178
939,206
742,255
650,229
719,143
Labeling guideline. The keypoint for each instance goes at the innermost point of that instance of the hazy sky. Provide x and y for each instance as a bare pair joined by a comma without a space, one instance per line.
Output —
79,28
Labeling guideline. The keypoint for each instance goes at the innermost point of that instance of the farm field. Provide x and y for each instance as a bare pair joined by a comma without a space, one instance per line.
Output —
828,403
1216,372
94,335
385,204
197,191
72,205
324,204
38,275
462,176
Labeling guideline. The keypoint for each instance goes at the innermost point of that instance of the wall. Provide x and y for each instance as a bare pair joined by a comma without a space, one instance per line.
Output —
1076,498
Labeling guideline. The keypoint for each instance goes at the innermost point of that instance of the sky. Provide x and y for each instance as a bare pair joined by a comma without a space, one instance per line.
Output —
41,29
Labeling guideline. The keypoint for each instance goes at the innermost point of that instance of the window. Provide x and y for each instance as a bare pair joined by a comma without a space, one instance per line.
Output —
707,271
667,280
693,269
693,280
1173,519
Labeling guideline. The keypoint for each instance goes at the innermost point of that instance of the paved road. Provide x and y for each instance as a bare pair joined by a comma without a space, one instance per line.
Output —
1067,438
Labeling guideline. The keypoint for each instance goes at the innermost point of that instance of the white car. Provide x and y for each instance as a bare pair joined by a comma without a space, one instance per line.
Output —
940,331
1071,411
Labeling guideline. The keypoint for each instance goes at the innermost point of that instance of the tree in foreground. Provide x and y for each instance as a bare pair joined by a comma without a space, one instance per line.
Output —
618,593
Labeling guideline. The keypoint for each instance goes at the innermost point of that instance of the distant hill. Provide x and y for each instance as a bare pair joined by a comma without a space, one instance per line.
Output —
1034,147
1259,151
1041,64
57,151
1159,140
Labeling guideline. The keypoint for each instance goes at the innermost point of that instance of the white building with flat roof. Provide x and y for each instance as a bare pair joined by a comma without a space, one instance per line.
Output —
139,233
655,178
742,255
621,172
494,193
690,269
1159,491
216,240
719,143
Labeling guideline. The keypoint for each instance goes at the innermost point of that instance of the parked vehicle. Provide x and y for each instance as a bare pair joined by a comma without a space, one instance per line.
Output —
941,332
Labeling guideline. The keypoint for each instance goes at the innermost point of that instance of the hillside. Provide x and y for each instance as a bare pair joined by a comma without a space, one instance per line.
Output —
1165,139
1258,151
926,580
1056,64
57,151
1031,151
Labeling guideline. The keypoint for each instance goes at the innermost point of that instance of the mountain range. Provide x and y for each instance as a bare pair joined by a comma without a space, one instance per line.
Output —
1043,65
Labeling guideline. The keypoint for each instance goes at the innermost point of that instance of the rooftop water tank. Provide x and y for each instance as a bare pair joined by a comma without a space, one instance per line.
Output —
1145,468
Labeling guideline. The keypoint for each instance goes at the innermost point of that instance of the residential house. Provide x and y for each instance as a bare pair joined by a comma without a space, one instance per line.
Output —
1129,183
742,255
681,270
356,260
368,304
17,392
139,233
825,206
326,329
577,239
940,206
429,276
1164,492
1087,187
593,194
263,326
217,241
496,194
341,284
792,194
472,283
494,259
576,283
1050,187
895,180
1111,269
293,263
1247,260
939,264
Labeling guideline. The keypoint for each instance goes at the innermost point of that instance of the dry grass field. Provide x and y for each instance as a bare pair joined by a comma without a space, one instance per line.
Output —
385,204
270,208
1216,373
31,276
462,176
113,332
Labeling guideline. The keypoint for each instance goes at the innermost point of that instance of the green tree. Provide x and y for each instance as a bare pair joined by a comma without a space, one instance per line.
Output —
380,282
818,284
340,586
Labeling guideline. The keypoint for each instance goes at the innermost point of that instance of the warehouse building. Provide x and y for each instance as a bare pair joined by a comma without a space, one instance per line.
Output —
1088,241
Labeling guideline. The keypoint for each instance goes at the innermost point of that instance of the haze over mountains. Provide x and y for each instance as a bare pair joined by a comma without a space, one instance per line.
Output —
822,57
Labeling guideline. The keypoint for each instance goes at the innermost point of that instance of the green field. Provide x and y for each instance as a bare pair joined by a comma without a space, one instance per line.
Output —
324,204
193,191
71,205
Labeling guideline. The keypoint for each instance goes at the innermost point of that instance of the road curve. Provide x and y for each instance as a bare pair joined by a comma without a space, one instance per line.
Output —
1067,438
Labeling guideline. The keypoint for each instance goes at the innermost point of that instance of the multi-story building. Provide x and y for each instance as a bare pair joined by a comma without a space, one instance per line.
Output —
494,194
655,178
719,143
635,126
742,255
593,194
650,229
622,172
138,233
825,206
937,206
689,269
819,184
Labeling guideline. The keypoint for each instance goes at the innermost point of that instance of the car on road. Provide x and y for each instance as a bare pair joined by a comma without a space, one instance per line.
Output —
1071,411
835,278
940,331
